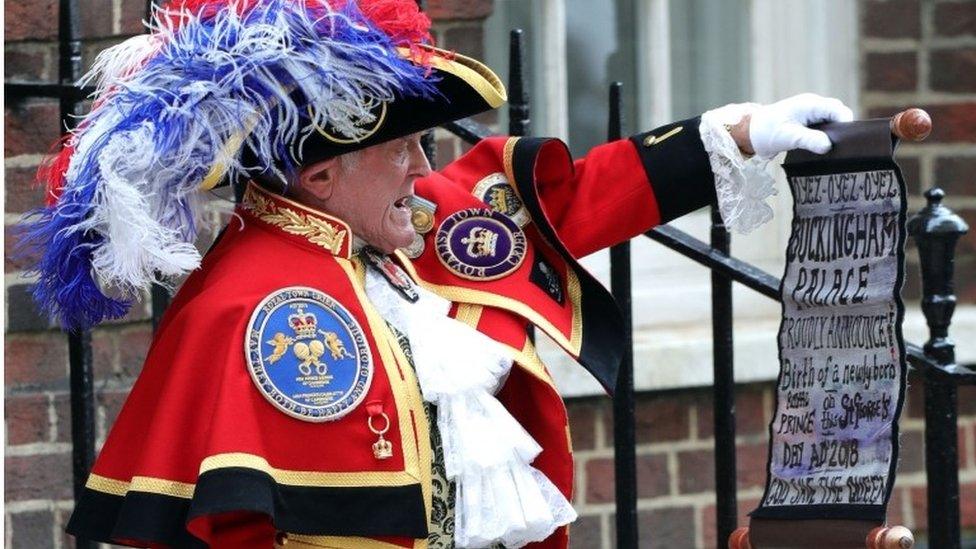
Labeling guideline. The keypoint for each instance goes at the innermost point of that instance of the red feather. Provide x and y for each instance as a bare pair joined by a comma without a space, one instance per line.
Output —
401,20
52,170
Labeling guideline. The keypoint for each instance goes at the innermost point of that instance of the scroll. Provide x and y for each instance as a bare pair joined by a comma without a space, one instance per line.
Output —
834,436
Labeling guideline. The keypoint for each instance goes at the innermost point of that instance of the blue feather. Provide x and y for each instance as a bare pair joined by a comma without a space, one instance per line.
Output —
159,129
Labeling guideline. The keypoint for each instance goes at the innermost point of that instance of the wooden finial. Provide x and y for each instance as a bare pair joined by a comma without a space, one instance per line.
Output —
890,537
911,124
740,539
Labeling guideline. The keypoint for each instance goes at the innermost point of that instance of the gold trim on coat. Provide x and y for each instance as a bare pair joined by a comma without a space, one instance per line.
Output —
411,416
150,485
460,294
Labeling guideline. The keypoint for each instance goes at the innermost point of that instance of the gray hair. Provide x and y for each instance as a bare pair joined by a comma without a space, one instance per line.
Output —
350,161
280,182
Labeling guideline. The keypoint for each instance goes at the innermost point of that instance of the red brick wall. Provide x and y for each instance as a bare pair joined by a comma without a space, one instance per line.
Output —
923,53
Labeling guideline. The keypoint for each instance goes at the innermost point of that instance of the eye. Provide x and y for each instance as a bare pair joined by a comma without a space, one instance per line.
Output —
400,152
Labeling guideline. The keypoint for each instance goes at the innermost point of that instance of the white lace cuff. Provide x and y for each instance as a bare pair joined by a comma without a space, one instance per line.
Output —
742,184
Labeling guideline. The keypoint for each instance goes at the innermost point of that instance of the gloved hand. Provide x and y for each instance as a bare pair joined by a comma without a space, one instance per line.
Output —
782,126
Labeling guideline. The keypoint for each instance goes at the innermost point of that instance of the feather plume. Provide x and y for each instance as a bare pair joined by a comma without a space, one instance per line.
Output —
165,108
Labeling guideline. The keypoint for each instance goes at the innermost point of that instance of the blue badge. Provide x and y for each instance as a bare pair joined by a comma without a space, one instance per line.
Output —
307,354
480,244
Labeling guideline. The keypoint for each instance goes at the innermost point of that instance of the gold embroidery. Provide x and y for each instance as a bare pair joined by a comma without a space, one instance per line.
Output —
507,156
415,439
281,476
317,231
459,294
107,485
308,478
474,73
280,342
529,360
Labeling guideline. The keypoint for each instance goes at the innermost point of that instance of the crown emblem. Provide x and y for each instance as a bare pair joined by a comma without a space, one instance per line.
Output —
481,242
382,448
304,324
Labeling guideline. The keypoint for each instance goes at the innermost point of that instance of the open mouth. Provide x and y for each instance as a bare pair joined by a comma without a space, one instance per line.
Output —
403,202
401,207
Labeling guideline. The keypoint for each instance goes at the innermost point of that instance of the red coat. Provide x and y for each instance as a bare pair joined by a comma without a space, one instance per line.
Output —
202,454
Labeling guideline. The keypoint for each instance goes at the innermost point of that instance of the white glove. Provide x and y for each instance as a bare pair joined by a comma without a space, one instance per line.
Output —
782,126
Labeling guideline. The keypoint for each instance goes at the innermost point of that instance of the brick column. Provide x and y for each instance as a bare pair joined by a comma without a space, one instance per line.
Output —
923,53
459,26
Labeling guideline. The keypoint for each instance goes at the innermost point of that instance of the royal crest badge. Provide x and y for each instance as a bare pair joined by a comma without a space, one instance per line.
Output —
495,191
307,354
480,244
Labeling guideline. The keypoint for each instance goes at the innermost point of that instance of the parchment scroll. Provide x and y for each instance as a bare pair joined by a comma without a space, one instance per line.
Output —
834,436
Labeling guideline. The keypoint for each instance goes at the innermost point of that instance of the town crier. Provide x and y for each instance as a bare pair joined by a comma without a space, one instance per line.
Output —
349,365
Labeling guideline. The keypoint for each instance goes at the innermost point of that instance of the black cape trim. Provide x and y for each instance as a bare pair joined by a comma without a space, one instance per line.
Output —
603,329
325,511
678,168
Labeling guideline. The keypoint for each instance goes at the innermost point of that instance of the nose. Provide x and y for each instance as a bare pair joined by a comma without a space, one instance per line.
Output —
419,166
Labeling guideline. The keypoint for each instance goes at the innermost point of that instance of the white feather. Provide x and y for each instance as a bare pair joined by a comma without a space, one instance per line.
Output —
119,62
136,245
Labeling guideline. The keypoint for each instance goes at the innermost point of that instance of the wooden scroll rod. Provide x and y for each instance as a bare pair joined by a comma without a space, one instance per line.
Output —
911,124
882,537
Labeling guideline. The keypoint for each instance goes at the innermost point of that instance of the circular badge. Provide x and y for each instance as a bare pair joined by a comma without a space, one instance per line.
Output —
480,244
369,126
422,220
495,191
307,354
416,247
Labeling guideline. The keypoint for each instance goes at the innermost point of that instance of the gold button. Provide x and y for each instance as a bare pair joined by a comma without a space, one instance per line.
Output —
649,140
422,221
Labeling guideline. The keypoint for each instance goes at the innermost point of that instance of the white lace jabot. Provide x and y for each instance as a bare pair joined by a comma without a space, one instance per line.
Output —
500,496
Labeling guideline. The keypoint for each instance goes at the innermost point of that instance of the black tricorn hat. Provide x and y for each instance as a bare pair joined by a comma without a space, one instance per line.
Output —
462,87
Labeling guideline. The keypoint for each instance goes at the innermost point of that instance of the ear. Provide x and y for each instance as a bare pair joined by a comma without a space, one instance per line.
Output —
319,179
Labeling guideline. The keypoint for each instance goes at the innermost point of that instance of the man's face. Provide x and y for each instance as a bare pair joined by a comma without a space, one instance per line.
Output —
371,190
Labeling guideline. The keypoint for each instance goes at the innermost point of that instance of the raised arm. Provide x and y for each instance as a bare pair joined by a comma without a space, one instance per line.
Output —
626,187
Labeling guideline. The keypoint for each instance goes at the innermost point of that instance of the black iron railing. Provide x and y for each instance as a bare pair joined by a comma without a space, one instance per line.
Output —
935,230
